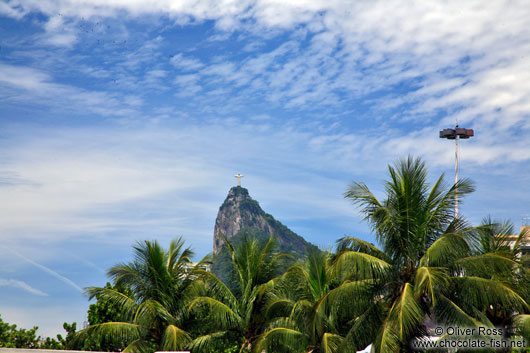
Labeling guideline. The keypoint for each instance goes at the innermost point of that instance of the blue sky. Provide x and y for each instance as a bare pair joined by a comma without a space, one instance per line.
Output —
126,120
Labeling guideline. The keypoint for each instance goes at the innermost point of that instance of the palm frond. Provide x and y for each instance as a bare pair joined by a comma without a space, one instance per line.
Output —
279,307
364,329
429,281
353,264
207,343
129,275
114,331
483,292
280,336
138,346
349,299
522,238
151,311
387,340
445,250
446,311
331,342
521,324
174,338
355,244
216,288
222,315
127,305
174,251
405,313
487,265
441,204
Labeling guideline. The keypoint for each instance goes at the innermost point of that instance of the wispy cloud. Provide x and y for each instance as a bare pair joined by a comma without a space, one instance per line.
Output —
185,63
45,269
340,55
18,83
59,33
21,285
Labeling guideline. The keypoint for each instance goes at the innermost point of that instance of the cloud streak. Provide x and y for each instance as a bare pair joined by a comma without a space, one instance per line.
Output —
21,285
45,269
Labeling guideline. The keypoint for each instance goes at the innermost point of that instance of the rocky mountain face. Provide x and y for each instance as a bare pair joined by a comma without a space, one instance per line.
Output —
240,214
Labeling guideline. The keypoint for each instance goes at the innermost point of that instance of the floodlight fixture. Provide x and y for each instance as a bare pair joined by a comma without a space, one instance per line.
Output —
456,134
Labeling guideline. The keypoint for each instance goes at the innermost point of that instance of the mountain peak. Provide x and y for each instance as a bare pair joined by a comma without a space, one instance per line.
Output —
237,192
240,213
237,211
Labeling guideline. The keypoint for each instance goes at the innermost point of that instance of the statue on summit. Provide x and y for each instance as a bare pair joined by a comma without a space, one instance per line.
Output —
238,176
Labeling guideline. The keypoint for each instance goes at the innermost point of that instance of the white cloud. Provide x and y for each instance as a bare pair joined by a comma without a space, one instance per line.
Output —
11,9
17,83
188,85
185,63
68,174
21,285
59,33
76,186
356,49
45,269
23,77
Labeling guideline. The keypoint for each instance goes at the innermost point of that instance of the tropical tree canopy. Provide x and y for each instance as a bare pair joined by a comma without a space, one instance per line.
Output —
298,319
238,316
427,267
161,283
493,239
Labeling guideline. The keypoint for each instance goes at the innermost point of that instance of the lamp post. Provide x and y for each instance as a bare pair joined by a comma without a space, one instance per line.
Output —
455,134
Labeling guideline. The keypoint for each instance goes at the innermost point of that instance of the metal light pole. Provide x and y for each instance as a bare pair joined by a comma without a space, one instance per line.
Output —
454,134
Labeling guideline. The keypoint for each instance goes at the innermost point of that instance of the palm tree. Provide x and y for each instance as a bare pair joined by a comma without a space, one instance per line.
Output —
496,238
426,268
161,283
493,236
297,320
238,316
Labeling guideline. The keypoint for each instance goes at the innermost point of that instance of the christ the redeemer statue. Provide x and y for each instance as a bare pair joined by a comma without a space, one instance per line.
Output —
238,176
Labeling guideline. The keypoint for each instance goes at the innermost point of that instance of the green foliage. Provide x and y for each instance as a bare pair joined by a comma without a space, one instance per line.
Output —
238,314
297,310
102,311
494,243
68,342
432,265
428,267
222,265
106,311
152,311
13,337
